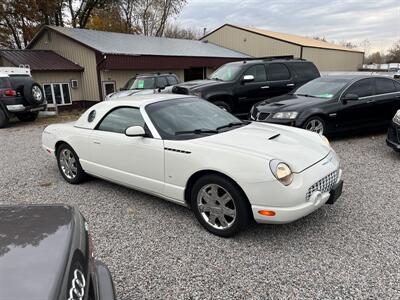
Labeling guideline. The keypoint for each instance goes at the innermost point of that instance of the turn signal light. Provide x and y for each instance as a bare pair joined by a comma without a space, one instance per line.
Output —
267,213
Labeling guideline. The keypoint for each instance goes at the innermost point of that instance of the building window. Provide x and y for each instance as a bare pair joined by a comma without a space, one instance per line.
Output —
57,93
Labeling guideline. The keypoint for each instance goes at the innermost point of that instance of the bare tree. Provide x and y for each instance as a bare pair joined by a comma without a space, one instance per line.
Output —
394,53
81,10
175,31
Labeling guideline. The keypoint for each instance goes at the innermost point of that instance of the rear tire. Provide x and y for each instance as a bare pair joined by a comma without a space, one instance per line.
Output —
69,165
223,105
219,205
3,119
27,117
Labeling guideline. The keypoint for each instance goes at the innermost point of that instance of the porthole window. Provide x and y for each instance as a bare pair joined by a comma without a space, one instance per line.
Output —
91,116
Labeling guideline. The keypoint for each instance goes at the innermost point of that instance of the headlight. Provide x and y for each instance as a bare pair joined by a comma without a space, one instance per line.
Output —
396,118
285,115
326,141
197,94
281,171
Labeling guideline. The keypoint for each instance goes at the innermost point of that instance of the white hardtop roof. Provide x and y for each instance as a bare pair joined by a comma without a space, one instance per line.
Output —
14,71
138,101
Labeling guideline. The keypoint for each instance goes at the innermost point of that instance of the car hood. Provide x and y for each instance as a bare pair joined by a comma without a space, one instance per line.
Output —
288,102
131,92
34,247
298,148
197,84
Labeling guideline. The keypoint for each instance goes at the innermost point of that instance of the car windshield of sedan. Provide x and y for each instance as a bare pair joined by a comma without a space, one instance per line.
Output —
323,87
226,72
183,119
141,83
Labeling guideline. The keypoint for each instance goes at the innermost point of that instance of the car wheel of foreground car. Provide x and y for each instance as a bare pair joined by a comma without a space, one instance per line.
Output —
223,105
3,119
315,124
219,205
68,164
33,93
27,117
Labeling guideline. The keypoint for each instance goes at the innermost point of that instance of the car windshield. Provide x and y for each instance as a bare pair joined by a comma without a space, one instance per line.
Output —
322,87
227,72
141,83
190,118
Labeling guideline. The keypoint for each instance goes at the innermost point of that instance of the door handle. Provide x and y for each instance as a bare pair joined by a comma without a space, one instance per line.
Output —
290,84
265,87
370,101
96,142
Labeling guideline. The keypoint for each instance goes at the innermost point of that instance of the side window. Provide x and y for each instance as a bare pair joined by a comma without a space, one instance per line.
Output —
258,72
384,86
305,71
172,80
278,72
162,82
120,119
361,88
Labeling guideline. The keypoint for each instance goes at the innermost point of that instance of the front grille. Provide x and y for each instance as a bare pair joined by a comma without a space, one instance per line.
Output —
262,116
324,185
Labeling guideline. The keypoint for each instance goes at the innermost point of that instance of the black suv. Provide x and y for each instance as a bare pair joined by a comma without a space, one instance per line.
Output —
236,86
20,96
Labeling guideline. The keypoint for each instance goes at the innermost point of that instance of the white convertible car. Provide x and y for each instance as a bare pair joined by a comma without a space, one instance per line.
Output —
191,152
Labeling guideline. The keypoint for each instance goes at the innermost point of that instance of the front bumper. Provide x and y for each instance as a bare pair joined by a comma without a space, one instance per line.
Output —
309,190
393,137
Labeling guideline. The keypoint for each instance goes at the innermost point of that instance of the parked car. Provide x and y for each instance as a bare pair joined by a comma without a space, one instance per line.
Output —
146,84
193,153
333,104
236,86
393,137
20,95
46,253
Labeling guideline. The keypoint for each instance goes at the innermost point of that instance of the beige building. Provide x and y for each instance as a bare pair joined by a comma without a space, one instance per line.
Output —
106,60
263,43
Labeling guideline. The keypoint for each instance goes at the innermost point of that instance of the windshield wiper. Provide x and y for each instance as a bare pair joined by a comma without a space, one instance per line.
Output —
306,95
216,78
196,131
230,125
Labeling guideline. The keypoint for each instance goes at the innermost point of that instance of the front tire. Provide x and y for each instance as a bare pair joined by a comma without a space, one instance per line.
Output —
219,205
27,117
315,124
69,165
223,105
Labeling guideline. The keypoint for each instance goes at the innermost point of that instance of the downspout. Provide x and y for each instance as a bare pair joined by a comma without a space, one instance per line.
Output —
99,77
301,52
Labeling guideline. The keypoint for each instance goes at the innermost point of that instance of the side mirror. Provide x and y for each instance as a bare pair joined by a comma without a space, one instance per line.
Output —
349,97
135,131
248,78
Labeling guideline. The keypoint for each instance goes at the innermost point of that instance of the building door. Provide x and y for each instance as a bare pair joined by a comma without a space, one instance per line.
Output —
194,73
108,88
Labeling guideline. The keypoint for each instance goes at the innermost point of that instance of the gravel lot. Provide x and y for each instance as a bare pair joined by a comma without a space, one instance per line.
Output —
157,250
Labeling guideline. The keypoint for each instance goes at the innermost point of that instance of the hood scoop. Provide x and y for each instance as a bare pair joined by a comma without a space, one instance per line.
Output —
274,136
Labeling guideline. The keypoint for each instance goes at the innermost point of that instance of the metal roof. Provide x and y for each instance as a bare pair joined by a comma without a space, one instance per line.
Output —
291,38
130,44
40,60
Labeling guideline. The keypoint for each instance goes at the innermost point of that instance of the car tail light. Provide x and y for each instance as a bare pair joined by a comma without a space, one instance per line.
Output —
9,93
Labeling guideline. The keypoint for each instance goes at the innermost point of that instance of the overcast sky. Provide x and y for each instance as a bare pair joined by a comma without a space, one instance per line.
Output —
336,20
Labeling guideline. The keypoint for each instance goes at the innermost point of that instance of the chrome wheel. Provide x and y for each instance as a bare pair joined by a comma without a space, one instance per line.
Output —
37,93
216,206
68,164
315,125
